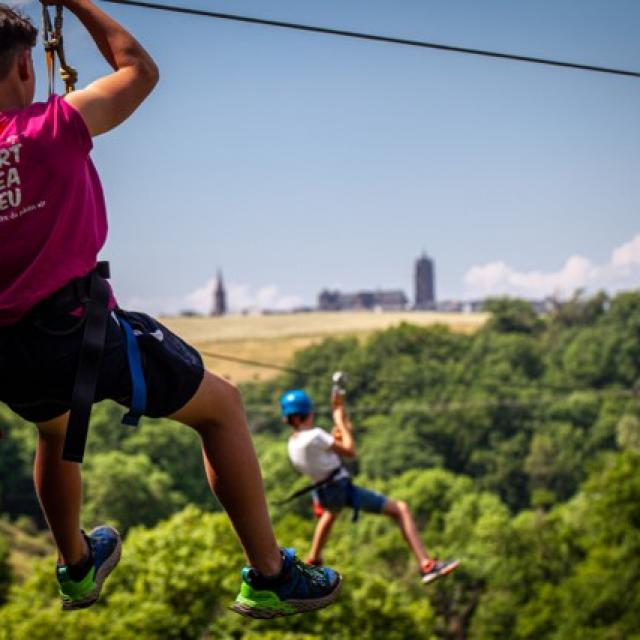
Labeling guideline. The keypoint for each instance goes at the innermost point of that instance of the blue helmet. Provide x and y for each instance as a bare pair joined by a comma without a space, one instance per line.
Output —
295,401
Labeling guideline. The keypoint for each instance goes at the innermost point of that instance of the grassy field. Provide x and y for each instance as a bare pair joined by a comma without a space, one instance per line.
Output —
275,338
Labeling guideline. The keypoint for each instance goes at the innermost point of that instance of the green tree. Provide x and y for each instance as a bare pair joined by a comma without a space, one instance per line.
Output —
510,315
556,459
604,521
579,311
628,432
126,490
175,450
394,443
6,575
589,358
171,582
16,454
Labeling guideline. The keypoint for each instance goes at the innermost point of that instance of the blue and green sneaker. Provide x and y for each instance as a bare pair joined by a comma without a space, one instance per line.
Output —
105,544
299,588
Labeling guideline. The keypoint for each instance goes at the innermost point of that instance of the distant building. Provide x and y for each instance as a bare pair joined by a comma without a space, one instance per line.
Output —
424,280
219,297
330,300
450,306
393,300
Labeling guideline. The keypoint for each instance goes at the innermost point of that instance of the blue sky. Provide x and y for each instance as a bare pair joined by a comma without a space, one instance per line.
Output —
296,161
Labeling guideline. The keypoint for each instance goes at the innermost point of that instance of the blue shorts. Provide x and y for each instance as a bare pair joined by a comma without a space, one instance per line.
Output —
337,495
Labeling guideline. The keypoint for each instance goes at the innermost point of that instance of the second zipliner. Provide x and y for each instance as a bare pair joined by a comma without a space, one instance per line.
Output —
318,455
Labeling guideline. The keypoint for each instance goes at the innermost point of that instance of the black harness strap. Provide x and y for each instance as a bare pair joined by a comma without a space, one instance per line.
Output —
96,315
312,487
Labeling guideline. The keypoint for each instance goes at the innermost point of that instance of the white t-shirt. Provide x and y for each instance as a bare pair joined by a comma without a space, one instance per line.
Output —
310,453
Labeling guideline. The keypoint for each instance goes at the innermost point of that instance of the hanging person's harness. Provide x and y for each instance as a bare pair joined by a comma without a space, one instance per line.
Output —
352,495
90,296
96,316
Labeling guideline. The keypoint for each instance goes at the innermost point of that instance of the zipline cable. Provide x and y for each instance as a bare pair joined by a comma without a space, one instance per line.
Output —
375,38
279,367
493,385
421,407
252,363
415,407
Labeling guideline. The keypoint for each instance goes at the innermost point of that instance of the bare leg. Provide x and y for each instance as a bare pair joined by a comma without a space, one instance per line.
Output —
320,536
59,488
400,512
232,468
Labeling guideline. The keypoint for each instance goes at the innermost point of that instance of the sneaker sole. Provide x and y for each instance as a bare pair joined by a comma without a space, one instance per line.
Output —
101,575
299,606
445,572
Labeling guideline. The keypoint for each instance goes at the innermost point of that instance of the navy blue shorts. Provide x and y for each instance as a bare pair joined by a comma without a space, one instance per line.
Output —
337,495
37,369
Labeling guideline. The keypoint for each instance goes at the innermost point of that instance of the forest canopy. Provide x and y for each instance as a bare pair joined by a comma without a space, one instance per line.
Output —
517,447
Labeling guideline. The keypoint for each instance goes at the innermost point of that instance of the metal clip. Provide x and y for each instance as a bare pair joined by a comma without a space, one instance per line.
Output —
53,46
339,379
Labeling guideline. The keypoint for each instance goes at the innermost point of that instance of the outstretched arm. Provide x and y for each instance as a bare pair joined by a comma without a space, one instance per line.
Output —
344,444
110,100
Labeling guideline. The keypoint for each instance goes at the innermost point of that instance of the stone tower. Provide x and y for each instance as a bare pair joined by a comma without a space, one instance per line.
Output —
425,283
219,297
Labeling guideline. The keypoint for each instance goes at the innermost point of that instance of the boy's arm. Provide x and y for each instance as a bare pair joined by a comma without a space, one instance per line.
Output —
344,444
110,100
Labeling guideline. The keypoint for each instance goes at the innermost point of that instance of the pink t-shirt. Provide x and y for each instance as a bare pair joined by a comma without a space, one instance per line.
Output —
53,219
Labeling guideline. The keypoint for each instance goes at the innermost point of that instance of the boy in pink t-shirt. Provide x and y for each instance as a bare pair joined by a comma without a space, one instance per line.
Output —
64,343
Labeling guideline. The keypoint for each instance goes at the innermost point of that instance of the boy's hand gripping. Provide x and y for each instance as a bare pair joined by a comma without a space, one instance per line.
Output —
338,390
338,393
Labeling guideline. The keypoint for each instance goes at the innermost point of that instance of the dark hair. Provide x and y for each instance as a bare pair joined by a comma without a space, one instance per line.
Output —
297,416
16,34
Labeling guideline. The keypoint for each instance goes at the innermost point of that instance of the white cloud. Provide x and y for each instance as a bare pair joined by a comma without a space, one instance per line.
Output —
628,254
240,297
621,271
200,299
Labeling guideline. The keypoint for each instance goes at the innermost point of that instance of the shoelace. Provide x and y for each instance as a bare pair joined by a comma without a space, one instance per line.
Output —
315,574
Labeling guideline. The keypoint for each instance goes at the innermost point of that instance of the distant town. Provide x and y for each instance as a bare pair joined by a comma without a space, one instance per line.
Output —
424,298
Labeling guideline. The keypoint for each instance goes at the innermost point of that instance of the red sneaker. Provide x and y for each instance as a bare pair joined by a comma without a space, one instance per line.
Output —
434,569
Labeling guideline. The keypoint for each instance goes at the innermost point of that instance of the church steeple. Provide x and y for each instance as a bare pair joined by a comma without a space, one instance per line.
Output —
219,297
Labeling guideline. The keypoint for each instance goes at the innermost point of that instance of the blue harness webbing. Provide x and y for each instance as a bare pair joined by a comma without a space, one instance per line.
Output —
138,384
